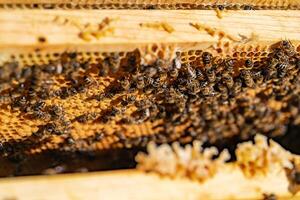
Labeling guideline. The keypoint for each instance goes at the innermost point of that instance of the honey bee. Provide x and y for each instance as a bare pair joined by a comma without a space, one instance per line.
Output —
246,75
248,64
143,103
112,91
193,87
132,63
113,112
224,91
2,148
207,113
70,140
248,7
177,63
269,197
288,47
228,80
144,141
39,105
22,100
153,111
126,120
72,55
83,118
173,72
18,102
62,131
45,93
121,136
71,77
124,83
16,73
98,97
26,72
143,115
270,70
103,70
181,84
156,83
148,90
80,88
206,89
298,63
40,115
63,93
31,92
258,77
140,82
229,66
19,89
200,76
295,176
221,7
55,170
210,75
128,143
237,87
49,128
150,71
74,65
148,81
98,137
110,64
34,80
71,91
87,80
206,58
281,69
128,99
64,122
84,65
7,99
49,68
55,111
190,72
137,141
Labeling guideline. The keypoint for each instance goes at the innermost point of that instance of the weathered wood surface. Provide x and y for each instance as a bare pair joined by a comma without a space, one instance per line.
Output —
25,31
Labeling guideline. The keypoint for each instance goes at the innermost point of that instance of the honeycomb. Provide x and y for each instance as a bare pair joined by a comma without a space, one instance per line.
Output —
255,159
104,102
151,4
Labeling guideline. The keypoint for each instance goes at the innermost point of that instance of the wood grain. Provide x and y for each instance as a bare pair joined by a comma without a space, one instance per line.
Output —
134,185
21,30
277,3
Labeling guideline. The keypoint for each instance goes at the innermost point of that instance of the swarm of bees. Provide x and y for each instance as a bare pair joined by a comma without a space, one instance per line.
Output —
207,100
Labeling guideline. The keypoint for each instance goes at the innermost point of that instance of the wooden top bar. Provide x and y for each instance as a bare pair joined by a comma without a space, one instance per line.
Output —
27,31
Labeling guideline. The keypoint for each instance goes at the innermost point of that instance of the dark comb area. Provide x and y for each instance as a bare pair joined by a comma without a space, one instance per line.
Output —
73,114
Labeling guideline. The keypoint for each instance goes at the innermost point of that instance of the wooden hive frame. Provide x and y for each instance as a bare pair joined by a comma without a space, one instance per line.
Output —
131,184
61,30
151,4
42,32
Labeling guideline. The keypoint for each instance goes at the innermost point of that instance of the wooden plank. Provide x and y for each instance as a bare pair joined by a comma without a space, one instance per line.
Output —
170,2
275,3
23,31
132,184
